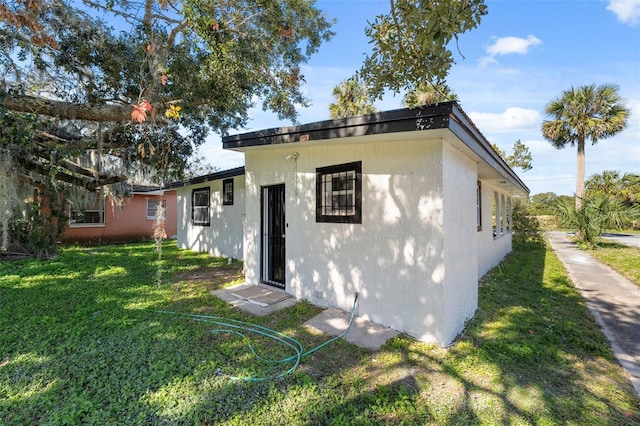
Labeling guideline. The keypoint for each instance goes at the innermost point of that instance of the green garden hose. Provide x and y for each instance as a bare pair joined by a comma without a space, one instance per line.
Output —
239,328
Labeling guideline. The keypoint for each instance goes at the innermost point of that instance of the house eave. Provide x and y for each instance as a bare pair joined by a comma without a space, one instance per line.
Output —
400,120
224,174
462,126
443,116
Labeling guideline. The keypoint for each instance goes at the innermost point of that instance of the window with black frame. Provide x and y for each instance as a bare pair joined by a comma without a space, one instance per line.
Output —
227,192
479,205
339,193
200,207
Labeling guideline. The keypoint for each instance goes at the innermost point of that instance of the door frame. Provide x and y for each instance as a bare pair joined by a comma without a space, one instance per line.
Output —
272,235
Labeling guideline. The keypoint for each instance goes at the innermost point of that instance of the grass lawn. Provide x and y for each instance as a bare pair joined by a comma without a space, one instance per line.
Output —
82,342
623,259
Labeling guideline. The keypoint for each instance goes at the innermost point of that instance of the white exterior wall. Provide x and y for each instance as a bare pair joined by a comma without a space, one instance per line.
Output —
491,250
460,244
395,259
224,236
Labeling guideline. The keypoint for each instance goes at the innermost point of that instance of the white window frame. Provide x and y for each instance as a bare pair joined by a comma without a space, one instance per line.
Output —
195,207
154,209
503,215
509,214
495,214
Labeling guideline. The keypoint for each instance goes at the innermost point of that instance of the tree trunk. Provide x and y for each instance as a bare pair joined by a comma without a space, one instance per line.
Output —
580,173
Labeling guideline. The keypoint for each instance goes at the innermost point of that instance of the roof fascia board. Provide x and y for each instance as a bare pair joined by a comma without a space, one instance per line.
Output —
150,192
445,115
468,133
224,174
400,120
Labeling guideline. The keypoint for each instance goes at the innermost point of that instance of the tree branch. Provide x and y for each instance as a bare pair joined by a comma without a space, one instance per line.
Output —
70,111
70,165
174,33
31,181
66,110
89,184
398,30
129,16
66,141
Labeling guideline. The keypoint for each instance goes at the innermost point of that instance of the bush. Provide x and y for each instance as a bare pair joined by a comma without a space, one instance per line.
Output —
548,222
596,215
526,227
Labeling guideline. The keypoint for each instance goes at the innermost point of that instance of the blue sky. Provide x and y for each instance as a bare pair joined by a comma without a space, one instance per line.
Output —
523,55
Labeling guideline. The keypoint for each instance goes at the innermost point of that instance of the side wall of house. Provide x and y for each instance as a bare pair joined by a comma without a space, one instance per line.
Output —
460,245
126,223
394,259
493,242
224,235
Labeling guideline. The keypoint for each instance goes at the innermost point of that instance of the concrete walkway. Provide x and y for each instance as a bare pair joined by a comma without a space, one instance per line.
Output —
612,299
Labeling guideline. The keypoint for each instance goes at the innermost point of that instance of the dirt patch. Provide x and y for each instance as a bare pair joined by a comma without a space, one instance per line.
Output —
14,251
212,277
15,256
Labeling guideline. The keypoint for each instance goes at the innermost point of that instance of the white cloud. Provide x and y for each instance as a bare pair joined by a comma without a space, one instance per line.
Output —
224,159
541,147
486,60
508,46
633,122
512,119
627,11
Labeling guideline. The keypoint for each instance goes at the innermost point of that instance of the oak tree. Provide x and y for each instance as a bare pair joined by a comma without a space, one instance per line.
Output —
95,91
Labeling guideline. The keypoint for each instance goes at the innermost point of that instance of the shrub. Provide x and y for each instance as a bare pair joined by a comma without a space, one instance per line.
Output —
595,216
526,228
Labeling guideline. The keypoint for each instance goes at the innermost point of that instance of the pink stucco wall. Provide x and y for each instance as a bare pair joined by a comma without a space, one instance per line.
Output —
126,223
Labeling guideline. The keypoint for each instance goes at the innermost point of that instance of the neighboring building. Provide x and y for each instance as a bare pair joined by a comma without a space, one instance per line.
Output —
101,221
409,208
211,212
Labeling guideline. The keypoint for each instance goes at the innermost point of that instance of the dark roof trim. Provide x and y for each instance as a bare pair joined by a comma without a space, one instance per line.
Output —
144,188
224,174
467,132
445,115
400,120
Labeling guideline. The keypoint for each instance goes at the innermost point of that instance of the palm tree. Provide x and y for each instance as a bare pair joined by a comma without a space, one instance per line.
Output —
351,99
625,188
587,112
429,94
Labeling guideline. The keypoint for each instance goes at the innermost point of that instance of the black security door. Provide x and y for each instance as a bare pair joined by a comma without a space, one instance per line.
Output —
273,236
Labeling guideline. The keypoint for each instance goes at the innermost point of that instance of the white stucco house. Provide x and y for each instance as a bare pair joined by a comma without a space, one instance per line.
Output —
211,212
409,208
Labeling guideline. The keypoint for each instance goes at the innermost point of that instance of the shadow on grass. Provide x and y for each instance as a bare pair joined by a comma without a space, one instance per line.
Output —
533,354
76,345
82,343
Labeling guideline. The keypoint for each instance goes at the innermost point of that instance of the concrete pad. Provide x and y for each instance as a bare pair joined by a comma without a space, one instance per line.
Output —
363,333
332,321
247,305
260,296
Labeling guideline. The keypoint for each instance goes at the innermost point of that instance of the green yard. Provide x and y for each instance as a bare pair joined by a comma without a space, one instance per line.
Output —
622,258
82,341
